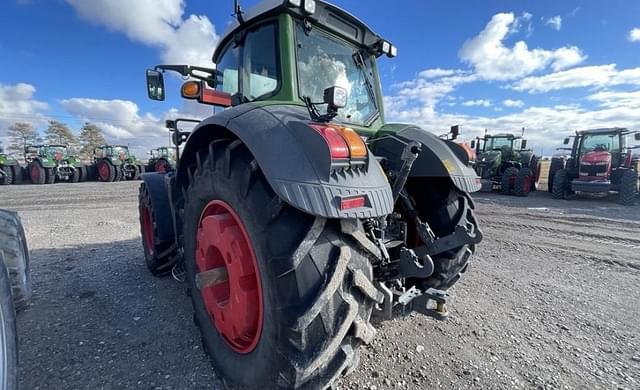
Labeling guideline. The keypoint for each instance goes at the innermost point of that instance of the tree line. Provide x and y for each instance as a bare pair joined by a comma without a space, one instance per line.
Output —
22,134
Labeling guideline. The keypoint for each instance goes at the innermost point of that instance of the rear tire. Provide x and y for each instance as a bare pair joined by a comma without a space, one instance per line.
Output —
75,177
314,316
106,171
9,175
524,182
37,173
560,184
628,188
508,178
13,244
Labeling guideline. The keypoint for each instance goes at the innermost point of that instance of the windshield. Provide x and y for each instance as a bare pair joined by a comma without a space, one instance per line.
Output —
600,143
53,150
498,143
118,150
324,62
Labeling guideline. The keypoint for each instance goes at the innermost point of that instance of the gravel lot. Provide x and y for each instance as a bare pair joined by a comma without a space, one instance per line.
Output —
552,301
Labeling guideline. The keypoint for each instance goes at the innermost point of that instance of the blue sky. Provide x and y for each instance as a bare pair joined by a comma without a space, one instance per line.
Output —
548,66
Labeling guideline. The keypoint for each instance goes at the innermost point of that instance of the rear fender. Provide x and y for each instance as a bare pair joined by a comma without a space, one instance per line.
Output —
294,159
438,158
156,184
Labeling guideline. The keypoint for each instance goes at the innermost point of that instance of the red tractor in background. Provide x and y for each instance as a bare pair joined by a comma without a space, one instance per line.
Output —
600,162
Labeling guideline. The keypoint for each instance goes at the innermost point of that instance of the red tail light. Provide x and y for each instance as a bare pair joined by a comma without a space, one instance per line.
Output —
352,203
337,145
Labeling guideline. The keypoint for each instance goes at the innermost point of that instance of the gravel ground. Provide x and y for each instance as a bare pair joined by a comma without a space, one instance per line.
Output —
551,301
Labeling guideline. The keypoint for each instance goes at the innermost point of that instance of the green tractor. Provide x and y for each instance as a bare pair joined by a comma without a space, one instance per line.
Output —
115,163
298,212
48,163
504,162
10,169
161,160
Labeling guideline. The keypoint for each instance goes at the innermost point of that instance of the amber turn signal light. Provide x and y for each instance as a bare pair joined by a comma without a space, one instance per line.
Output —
357,148
190,90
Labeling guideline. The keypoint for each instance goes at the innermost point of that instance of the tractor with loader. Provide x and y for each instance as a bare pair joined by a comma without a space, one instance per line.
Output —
51,163
503,162
600,162
297,212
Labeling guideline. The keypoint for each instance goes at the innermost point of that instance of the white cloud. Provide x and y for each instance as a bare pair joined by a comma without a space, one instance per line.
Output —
492,60
477,103
617,99
157,23
513,103
17,104
588,76
634,35
554,22
438,72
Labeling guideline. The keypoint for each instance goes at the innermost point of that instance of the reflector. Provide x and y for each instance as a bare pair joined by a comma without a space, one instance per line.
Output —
352,203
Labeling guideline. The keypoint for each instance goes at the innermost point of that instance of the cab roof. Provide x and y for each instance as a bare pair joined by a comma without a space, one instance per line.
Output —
605,130
327,15
502,135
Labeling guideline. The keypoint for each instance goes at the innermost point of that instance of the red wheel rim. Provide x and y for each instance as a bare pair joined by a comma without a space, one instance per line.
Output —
161,167
147,231
103,170
35,173
235,303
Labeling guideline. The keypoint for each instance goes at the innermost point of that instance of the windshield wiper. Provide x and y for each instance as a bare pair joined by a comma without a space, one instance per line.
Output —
359,61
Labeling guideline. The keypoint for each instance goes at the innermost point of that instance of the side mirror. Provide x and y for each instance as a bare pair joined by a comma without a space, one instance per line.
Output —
155,85
473,144
636,136
455,131
566,141
523,145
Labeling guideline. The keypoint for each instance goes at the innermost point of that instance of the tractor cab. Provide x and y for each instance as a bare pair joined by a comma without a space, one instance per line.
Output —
313,55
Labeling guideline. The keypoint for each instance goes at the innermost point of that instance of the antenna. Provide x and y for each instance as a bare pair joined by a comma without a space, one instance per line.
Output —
237,11
523,131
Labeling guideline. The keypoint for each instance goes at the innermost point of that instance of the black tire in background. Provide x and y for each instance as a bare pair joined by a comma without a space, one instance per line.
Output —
523,186
111,172
560,184
13,244
8,334
315,281
628,187
555,165
75,176
159,248
18,174
9,175
509,174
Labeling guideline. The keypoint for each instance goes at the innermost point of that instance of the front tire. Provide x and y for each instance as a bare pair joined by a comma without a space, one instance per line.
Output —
524,182
159,248
560,184
508,180
310,276
106,171
8,334
628,188
37,173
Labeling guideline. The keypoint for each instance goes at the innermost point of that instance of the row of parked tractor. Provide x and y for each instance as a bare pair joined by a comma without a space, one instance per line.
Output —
592,161
48,164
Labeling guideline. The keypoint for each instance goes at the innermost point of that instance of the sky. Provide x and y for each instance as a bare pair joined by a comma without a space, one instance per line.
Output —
551,67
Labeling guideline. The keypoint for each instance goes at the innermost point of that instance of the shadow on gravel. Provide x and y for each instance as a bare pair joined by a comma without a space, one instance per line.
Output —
99,320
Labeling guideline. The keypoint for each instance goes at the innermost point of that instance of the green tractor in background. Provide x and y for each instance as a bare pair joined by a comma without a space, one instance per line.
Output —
115,163
10,169
48,163
504,162
161,160
298,212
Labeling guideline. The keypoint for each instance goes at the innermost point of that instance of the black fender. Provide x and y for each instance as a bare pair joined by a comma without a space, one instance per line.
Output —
156,184
439,158
295,160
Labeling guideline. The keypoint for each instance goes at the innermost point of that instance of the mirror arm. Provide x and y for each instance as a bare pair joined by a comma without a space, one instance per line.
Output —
187,71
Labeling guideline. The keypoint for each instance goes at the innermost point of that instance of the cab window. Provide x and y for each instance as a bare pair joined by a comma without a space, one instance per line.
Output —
228,66
260,62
